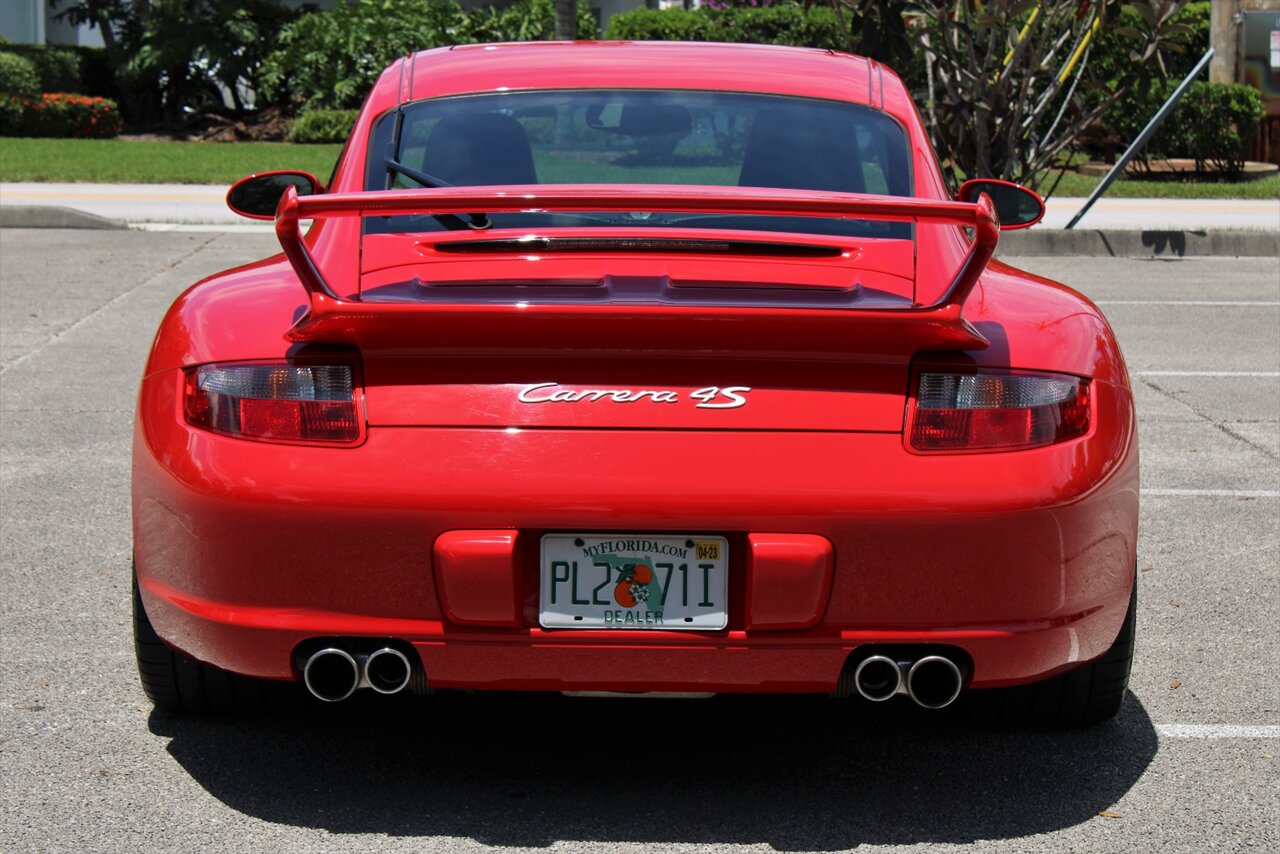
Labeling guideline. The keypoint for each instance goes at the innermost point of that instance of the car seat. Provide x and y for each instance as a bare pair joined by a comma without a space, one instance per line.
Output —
479,149
802,149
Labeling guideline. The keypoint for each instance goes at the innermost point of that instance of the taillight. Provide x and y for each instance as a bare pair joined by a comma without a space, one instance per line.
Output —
278,402
1005,410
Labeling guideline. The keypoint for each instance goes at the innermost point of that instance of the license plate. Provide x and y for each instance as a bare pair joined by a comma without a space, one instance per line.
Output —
634,581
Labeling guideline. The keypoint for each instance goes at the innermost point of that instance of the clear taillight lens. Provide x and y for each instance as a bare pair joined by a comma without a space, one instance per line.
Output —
998,411
274,402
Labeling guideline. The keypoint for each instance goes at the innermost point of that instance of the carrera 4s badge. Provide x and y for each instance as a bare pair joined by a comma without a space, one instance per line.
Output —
711,397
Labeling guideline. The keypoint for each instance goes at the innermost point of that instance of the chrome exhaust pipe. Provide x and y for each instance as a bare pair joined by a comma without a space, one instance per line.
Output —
331,674
934,682
877,678
387,670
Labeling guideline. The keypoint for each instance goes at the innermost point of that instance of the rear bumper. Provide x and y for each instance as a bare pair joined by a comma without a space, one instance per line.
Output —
1024,561
261,642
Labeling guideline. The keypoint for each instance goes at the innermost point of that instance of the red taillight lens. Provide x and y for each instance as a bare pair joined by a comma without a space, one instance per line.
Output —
997,411
274,402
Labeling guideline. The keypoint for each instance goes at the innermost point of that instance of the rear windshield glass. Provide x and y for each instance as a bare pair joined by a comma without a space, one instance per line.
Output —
642,137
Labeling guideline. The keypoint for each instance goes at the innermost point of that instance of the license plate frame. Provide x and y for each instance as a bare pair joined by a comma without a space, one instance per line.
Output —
685,589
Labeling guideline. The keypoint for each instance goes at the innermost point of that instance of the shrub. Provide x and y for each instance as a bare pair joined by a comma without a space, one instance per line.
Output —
329,60
18,76
1214,124
58,68
11,112
1128,115
1119,47
96,73
668,25
525,20
65,115
322,126
332,59
783,24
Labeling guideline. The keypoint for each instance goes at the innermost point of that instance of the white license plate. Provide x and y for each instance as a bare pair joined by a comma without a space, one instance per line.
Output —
634,581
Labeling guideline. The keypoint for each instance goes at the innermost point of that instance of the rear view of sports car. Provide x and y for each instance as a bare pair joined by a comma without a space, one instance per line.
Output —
637,368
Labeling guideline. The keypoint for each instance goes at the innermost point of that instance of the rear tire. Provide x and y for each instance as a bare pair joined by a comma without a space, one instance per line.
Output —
181,686
1087,695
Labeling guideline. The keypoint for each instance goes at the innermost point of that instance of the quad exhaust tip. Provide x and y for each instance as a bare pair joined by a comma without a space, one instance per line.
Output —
878,678
331,674
387,670
934,682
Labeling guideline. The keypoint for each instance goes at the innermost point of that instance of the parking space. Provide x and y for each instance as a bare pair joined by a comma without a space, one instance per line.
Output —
1190,763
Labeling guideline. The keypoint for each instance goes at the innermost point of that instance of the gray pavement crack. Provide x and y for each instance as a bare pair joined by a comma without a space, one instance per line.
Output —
1204,416
118,298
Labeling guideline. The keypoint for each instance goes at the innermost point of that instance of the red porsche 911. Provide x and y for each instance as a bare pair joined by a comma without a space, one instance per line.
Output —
637,368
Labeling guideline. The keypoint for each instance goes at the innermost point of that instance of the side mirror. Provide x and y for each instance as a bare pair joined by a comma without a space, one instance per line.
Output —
1016,206
257,196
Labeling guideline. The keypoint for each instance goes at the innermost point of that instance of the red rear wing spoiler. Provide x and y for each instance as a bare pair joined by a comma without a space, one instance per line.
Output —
936,326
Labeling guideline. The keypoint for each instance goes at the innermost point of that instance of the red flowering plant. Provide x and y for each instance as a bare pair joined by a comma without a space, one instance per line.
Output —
60,114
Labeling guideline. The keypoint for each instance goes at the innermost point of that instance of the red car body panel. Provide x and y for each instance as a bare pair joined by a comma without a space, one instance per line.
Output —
840,536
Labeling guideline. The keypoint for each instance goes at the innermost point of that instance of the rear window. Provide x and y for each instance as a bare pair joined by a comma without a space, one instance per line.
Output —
642,137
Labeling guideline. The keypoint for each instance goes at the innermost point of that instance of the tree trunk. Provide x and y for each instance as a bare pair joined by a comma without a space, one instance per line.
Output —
566,20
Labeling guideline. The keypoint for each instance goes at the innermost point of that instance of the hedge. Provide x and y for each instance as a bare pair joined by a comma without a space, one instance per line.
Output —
58,68
666,25
11,112
18,76
316,126
58,114
331,59
1214,124
787,24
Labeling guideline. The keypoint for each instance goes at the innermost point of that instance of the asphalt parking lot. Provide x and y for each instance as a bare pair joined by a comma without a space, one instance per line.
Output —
1190,764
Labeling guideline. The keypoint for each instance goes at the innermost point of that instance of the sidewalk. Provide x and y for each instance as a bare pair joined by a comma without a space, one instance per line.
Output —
1150,225
131,203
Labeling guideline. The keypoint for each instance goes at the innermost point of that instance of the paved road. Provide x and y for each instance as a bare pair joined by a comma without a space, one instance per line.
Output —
187,203
1190,764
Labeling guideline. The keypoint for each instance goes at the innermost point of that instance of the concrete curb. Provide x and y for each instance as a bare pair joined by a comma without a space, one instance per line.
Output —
49,216
1141,244
1031,243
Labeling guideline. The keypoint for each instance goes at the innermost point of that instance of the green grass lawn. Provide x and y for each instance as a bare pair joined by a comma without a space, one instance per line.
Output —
130,161
117,161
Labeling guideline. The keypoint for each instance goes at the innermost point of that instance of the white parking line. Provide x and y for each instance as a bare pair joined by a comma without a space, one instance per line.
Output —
1207,373
234,228
1212,493
1217,731
1186,302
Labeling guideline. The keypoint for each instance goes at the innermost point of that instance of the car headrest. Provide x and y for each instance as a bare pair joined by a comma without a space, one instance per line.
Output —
655,120
802,149
479,149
